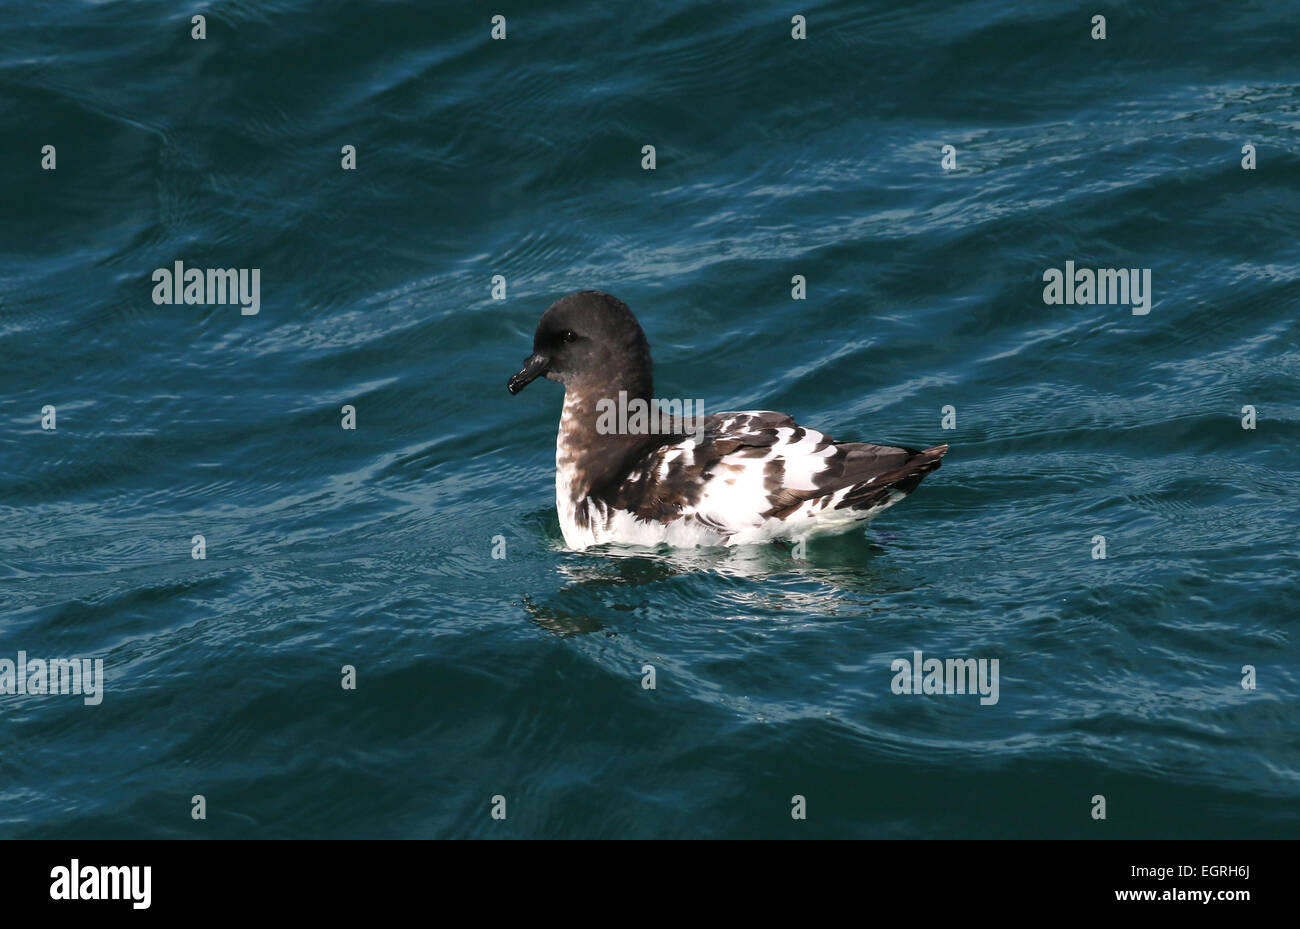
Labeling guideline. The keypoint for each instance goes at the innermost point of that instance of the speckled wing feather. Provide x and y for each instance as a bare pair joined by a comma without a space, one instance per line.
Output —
753,468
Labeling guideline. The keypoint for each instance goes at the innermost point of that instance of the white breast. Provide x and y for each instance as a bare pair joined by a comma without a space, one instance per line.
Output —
603,524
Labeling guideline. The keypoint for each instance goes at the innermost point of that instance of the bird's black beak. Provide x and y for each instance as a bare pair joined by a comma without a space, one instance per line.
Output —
535,365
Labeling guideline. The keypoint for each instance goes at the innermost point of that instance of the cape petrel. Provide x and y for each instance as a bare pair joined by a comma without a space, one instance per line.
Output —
721,479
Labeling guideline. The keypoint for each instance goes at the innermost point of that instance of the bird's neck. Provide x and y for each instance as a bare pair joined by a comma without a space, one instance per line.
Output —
599,439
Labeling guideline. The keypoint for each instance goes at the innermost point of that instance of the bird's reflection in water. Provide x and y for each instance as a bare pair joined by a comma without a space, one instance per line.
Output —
842,568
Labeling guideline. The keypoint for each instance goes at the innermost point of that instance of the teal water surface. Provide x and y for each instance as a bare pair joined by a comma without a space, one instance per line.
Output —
522,676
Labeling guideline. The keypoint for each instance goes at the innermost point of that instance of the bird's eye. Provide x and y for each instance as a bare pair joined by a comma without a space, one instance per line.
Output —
569,336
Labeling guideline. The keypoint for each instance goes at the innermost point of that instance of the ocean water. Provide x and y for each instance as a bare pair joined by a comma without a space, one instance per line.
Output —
522,676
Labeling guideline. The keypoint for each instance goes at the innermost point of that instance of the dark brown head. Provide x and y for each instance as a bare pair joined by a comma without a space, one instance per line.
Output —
591,342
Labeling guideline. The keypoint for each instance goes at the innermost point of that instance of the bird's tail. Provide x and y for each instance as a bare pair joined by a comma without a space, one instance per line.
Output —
900,479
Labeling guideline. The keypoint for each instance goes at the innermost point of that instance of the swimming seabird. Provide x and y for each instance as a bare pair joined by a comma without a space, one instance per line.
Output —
720,479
